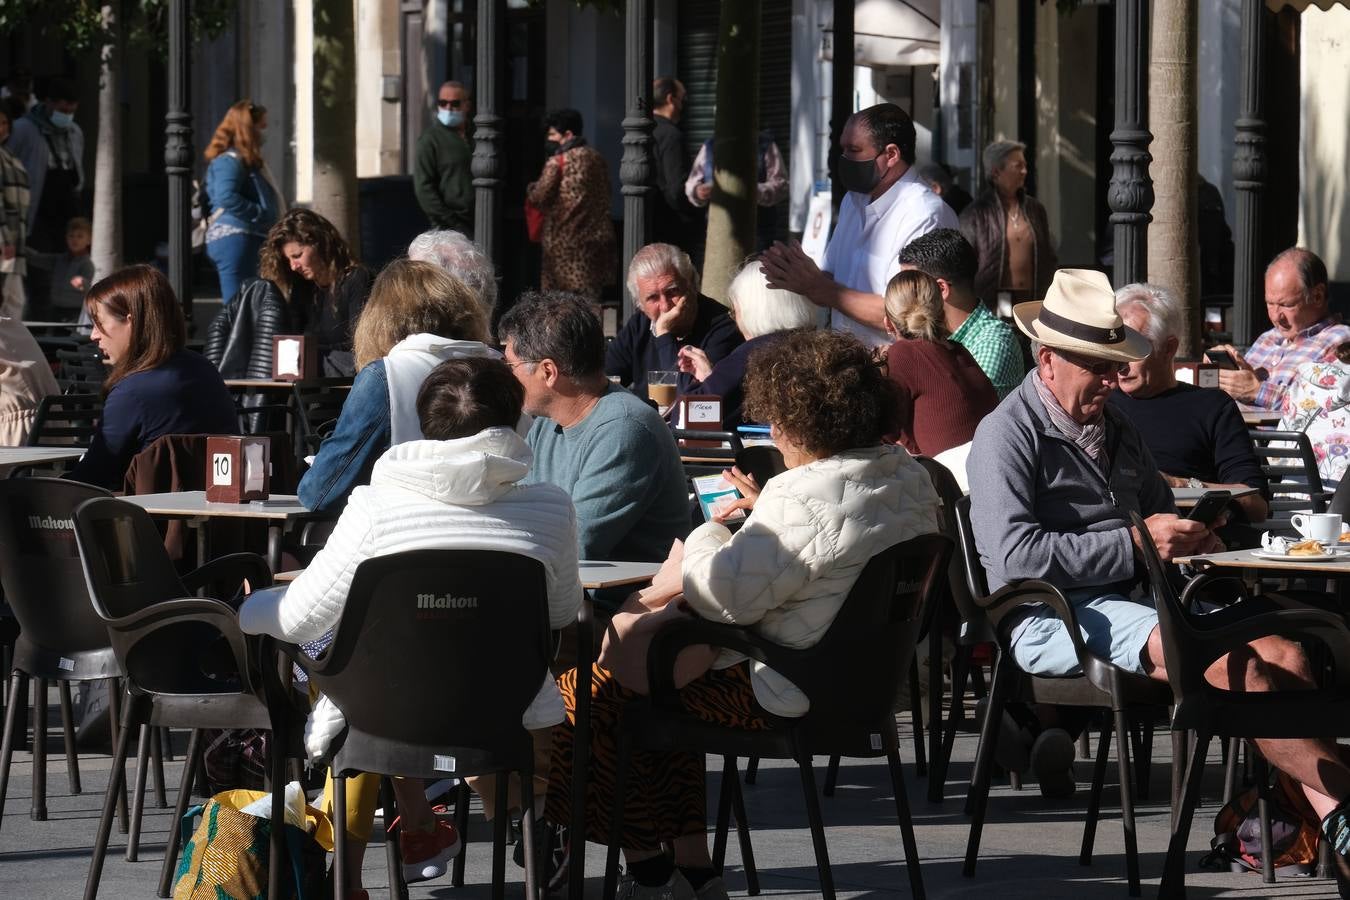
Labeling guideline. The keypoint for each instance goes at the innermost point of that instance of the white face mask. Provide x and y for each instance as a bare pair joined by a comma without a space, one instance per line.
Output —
450,118
61,119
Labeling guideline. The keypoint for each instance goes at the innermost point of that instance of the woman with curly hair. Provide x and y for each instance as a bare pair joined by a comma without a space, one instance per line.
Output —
943,391
846,496
418,316
323,285
243,196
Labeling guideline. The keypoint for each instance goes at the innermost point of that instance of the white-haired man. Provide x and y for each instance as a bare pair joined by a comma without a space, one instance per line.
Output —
1196,435
1054,476
671,314
460,256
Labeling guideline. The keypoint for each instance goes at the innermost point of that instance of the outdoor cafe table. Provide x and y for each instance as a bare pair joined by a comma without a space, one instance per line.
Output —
1187,497
1255,418
1338,567
31,456
280,511
259,384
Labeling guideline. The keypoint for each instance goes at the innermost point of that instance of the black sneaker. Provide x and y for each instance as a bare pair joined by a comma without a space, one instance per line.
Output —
551,841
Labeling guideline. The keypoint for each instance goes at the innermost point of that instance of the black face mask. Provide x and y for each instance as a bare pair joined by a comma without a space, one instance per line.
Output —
551,147
859,175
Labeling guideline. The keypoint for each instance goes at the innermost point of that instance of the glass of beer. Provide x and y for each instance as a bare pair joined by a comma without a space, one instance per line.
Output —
661,389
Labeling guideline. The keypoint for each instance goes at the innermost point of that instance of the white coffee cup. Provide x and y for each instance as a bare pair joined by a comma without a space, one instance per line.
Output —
1323,527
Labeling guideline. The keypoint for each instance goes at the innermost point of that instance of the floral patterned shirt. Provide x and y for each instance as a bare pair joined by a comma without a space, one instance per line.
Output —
1317,402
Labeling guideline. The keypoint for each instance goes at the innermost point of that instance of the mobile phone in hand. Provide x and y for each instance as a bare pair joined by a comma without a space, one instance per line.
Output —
1223,359
1209,507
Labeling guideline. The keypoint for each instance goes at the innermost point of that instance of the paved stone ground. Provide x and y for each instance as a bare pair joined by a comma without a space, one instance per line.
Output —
1030,846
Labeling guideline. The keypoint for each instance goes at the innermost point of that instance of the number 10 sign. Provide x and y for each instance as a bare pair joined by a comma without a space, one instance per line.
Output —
238,469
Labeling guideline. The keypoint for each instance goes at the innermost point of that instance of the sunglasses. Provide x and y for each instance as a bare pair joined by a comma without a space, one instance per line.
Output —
449,104
1100,368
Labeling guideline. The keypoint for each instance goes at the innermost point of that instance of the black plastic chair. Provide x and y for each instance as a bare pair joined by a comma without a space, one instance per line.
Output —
64,420
1101,685
763,461
187,663
1295,482
61,639
472,623
318,403
82,368
851,677
1191,643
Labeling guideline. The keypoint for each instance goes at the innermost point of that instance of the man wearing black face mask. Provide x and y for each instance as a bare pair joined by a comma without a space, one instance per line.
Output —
886,207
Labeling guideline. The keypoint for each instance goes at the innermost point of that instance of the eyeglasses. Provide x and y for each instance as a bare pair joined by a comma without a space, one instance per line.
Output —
521,362
1101,368
450,104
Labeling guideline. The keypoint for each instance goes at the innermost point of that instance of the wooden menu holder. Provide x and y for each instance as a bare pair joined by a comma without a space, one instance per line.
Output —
238,469
699,412
294,357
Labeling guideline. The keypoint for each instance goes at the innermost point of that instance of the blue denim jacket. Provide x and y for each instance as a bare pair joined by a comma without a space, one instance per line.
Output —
243,196
347,456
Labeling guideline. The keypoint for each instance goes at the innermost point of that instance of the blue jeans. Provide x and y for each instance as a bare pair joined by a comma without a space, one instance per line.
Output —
236,258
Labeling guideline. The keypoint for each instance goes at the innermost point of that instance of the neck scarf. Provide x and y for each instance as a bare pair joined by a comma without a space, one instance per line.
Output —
1090,437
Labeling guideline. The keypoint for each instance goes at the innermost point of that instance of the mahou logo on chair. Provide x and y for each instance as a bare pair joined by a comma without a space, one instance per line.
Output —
445,601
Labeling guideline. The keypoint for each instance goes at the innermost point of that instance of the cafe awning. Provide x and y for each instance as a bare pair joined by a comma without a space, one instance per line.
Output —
891,33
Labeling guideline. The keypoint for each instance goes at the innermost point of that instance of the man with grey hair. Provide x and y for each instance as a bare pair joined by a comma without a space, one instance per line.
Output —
1304,331
1010,231
441,177
459,256
1196,435
671,314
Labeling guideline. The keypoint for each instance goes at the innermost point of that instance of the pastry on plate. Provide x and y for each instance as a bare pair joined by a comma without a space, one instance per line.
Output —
1307,548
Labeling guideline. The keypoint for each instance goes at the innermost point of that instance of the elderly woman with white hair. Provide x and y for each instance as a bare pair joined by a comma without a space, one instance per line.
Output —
1196,435
761,314
460,256
1009,230
671,314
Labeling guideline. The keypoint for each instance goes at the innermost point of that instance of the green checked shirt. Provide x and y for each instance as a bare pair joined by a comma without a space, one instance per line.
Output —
994,347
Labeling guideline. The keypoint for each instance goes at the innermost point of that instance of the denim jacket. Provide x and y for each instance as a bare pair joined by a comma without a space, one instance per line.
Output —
347,456
241,194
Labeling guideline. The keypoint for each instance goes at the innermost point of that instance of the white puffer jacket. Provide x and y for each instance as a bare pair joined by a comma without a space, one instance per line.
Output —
460,494
788,570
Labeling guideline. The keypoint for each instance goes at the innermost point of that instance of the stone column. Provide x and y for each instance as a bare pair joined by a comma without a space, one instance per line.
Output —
635,168
1173,241
1249,177
487,131
178,158
1131,192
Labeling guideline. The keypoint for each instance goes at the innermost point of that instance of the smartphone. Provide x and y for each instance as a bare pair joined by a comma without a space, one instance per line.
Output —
1210,506
1222,358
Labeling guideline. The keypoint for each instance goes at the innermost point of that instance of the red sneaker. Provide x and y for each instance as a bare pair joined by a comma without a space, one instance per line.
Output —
427,854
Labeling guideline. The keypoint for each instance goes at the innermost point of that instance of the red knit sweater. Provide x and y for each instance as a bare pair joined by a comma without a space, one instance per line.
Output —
943,394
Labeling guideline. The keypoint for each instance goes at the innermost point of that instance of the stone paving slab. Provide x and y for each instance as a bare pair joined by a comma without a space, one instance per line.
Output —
1029,849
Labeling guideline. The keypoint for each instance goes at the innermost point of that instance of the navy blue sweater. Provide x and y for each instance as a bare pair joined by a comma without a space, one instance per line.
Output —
184,395
635,351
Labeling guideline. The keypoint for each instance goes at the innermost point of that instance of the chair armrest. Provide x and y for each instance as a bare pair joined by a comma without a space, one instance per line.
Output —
1009,598
203,611
669,641
1206,580
229,568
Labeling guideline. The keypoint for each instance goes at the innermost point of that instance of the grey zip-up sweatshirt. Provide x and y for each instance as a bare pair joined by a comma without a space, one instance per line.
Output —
1040,507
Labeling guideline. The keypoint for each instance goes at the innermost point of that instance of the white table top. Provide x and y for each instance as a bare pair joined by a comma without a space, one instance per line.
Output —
1254,416
266,383
595,574
1243,559
191,504
23,456
1186,497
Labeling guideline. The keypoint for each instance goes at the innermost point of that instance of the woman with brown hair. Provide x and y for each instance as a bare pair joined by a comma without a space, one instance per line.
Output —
243,196
155,386
418,316
943,392
324,286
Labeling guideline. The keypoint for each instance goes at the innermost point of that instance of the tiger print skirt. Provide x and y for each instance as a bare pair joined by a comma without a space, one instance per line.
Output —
666,793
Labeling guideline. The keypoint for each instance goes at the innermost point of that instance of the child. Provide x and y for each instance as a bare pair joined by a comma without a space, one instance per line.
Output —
72,271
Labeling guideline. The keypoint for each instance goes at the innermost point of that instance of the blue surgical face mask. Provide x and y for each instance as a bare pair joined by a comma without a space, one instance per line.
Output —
450,118
61,119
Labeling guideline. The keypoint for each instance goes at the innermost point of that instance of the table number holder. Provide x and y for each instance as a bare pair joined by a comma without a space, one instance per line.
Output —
238,469
295,357
1200,374
699,412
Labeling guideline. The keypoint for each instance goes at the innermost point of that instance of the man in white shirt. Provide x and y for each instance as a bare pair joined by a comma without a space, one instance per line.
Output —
886,207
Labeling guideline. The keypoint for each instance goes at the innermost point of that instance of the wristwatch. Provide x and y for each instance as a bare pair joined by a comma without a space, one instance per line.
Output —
1194,483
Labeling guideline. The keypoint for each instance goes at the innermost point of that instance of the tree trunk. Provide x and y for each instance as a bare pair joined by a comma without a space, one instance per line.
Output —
1173,239
732,207
106,251
335,189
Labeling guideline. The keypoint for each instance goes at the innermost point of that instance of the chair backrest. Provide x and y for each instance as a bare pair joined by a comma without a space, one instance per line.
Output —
318,403
1288,461
82,368
66,420
977,584
949,495
1340,499
166,641
40,563
864,656
763,461
439,648
1184,664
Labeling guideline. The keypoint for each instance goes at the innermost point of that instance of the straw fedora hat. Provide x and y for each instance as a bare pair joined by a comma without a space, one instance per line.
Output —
1079,314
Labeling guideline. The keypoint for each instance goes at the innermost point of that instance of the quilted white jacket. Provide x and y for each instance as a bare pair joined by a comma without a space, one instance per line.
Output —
460,494
788,570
